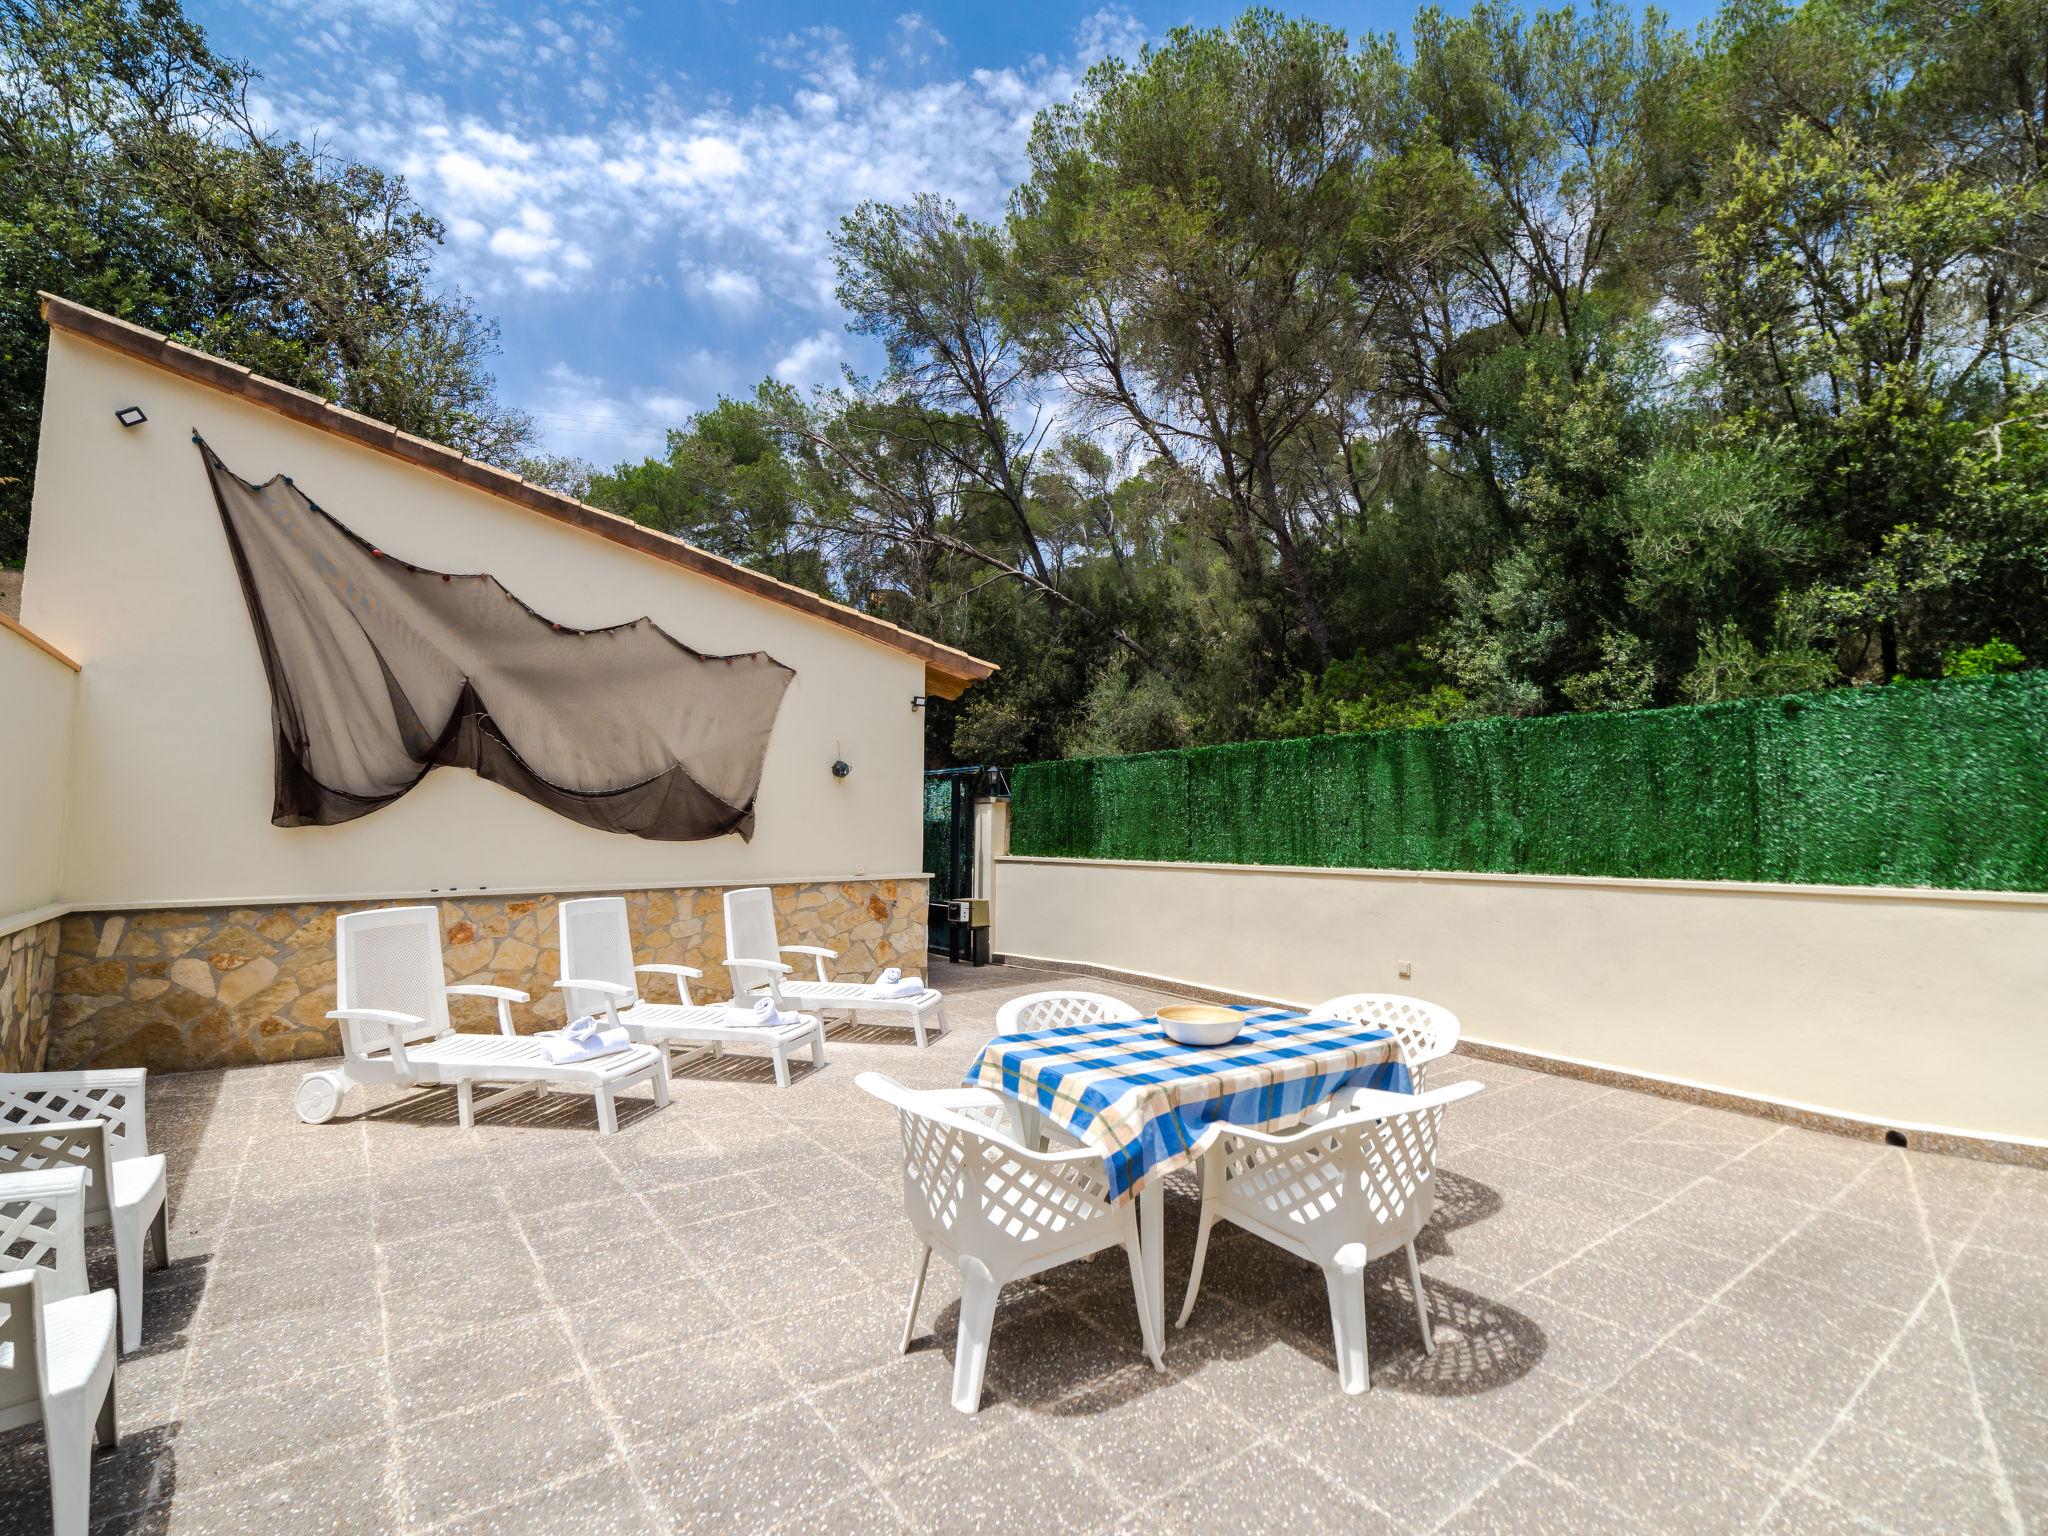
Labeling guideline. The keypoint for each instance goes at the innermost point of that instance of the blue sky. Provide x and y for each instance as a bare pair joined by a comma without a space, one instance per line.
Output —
643,195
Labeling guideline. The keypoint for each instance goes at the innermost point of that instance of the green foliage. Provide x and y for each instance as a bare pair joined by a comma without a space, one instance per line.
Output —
133,179
1365,693
1986,660
1945,785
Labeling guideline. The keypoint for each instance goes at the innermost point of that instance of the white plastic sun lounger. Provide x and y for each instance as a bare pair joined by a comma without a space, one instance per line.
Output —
395,1029
754,959
599,976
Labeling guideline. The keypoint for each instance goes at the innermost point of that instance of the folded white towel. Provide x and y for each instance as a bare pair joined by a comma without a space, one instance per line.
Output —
760,1014
893,983
582,1040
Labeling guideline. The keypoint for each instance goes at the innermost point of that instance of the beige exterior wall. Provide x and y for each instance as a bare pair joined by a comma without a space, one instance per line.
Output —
38,694
1920,1010
129,573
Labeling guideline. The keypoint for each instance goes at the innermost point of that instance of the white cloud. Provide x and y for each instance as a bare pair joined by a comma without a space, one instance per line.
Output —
735,292
648,184
812,361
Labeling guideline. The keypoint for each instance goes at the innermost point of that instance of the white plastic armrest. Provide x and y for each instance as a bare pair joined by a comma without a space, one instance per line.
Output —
607,988
378,1016
608,993
682,974
818,956
732,961
477,989
506,997
90,1077
396,1023
965,1098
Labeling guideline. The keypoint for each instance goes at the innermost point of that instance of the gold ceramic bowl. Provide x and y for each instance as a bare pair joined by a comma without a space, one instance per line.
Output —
1201,1023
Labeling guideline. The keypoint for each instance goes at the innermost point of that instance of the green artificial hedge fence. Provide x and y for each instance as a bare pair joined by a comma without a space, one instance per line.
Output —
1927,784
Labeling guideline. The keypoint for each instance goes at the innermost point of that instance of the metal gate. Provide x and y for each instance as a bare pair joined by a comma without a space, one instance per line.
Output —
949,795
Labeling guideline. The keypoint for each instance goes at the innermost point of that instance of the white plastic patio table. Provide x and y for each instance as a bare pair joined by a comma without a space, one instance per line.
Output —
1150,1105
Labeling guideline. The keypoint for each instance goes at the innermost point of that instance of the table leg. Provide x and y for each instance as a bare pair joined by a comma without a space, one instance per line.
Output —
1152,1247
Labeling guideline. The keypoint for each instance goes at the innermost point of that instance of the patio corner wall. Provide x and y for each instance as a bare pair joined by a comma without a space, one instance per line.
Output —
185,988
38,699
1910,1008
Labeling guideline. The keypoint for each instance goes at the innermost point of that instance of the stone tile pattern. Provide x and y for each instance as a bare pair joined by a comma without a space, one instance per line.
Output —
1650,1317
181,990
28,987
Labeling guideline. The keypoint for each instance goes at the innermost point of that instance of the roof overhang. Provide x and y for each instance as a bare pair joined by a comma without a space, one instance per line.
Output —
948,673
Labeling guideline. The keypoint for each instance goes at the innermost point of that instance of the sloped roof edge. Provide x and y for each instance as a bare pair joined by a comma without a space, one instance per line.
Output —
948,672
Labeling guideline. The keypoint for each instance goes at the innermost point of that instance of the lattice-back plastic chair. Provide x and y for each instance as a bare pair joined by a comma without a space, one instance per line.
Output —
599,976
997,1212
1055,1009
94,1121
395,1030
56,1338
1059,1009
1425,1030
1340,1194
753,959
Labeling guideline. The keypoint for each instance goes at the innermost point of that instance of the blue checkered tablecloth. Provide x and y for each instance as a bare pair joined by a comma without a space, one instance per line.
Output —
1143,1101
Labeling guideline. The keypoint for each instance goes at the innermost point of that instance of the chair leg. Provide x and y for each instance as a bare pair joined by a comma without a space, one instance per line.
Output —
1187,1308
924,1264
160,1229
104,1431
978,1290
818,1045
660,1081
70,1452
607,1111
1346,1280
917,1025
1145,1326
465,1105
1421,1301
781,1054
128,1237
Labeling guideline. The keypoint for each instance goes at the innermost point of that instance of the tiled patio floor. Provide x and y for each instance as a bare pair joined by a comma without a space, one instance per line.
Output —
1651,1317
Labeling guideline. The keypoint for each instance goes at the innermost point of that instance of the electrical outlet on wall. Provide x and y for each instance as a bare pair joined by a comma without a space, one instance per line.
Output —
1407,969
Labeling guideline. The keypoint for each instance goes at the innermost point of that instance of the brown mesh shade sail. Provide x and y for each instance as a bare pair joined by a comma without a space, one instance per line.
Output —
381,670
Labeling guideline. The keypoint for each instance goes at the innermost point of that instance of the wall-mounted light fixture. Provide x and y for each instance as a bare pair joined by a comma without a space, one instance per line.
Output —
840,768
130,416
918,701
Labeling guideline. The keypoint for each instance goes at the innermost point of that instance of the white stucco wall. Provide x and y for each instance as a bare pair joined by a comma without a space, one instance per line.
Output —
1923,1010
37,696
129,573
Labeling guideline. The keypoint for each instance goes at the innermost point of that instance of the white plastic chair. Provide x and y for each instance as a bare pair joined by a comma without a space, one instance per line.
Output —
1054,1010
599,976
56,1338
1425,1030
1057,1009
753,956
395,1030
997,1212
1340,1194
94,1121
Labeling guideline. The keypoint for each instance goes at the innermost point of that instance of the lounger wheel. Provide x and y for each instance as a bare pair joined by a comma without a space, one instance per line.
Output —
318,1097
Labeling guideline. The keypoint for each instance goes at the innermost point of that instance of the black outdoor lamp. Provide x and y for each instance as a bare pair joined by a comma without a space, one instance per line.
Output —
130,416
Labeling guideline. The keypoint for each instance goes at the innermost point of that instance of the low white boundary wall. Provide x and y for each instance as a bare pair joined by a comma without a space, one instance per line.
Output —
38,698
1922,1010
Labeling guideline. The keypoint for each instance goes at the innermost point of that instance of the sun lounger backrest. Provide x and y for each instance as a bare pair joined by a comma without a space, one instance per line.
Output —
391,958
597,945
750,924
